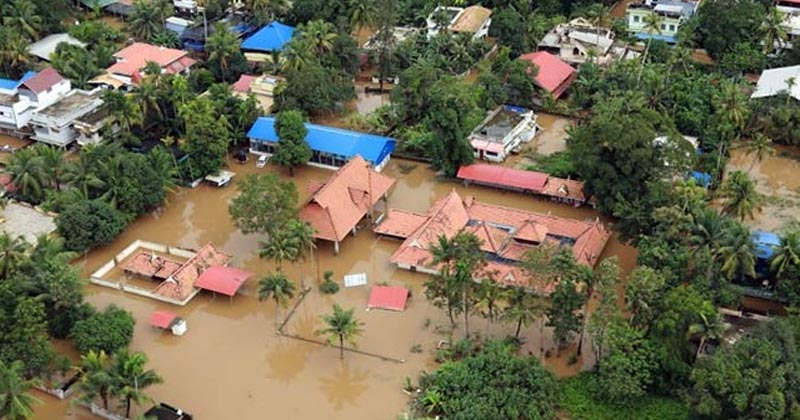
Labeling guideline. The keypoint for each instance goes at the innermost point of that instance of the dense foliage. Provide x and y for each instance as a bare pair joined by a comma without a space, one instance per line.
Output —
108,331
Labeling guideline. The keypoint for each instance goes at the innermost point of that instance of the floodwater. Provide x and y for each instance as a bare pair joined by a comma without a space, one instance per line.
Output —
232,365
551,138
10,144
778,178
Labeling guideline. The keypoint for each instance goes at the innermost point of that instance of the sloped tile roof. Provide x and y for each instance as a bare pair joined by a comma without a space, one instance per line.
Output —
502,176
135,57
181,284
554,75
43,80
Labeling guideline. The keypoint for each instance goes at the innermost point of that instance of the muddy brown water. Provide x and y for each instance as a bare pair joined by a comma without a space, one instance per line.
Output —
231,364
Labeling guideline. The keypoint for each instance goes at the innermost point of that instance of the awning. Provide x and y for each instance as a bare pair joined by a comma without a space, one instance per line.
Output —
221,279
162,319
392,298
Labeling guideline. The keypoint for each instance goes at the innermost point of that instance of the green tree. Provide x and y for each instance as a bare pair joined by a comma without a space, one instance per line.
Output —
563,314
109,331
24,330
787,256
452,113
341,326
363,13
277,287
313,88
293,150
737,253
130,378
126,113
147,18
225,58
13,253
644,292
709,328
16,401
629,365
87,224
14,57
523,308
740,198
29,174
77,64
54,165
22,17
652,26
96,379
759,147
721,24
207,137
320,34
265,204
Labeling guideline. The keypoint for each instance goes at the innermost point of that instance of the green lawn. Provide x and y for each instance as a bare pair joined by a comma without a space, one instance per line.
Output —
578,400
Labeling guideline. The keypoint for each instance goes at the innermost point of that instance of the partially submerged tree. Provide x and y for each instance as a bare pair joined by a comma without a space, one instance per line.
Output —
265,204
293,150
341,326
276,286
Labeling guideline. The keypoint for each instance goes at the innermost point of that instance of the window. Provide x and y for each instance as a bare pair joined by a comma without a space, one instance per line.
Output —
672,28
663,27
636,18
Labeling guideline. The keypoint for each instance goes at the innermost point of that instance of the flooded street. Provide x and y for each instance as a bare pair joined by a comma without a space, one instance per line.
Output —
232,365
777,177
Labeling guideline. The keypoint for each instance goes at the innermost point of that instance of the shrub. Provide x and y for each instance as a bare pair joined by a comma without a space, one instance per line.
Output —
328,286
87,224
109,331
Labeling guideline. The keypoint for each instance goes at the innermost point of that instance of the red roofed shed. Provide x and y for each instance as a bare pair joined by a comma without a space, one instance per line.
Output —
501,176
392,298
221,279
555,75
162,319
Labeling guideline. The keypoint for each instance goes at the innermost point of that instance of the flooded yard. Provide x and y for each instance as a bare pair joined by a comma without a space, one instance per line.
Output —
232,365
552,138
777,177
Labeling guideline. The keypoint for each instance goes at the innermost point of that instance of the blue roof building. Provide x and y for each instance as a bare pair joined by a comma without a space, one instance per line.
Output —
272,37
8,84
766,243
702,179
331,147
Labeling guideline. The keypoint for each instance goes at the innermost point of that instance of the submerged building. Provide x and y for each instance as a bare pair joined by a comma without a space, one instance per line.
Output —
504,131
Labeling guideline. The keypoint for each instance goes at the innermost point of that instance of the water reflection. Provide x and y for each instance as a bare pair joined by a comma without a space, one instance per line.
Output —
345,385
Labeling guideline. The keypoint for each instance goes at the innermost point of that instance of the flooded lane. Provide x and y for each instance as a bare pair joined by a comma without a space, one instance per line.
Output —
231,364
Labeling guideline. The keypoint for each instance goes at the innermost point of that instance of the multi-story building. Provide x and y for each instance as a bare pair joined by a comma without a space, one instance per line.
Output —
578,41
504,131
473,20
671,15
21,99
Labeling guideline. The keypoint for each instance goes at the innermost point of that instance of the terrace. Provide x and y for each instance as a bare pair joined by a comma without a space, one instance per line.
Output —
503,132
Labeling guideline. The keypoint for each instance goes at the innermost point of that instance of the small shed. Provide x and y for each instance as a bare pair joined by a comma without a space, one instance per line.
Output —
222,279
392,298
166,320
220,179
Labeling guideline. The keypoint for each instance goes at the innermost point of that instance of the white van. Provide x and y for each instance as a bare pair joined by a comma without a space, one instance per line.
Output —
262,161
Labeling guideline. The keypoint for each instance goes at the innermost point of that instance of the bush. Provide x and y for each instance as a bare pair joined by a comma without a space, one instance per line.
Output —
578,398
328,286
109,331
87,224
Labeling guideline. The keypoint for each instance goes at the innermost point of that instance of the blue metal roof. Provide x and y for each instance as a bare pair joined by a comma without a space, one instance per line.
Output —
269,38
331,140
13,84
765,243
669,39
702,179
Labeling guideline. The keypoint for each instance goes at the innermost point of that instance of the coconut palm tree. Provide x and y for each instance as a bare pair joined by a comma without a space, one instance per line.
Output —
223,46
13,52
297,54
130,378
320,34
490,294
278,288
362,13
13,252
166,39
54,164
147,19
709,328
82,173
599,15
302,233
341,326
281,246
759,147
50,248
708,230
265,11
96,380
737,253
788,253
28,174
773,31
147,94
523,308
740,198
16,401
21,17
125,112
652,25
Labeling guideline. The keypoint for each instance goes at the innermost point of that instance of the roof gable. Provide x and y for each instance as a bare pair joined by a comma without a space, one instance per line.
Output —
554,74
270,38
42,81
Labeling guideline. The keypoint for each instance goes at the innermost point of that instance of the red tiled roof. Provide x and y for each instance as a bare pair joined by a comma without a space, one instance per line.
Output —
502,176
554,75
135,57
564,188
162,319
182,283
243,84
400,223
43,80
221,279
392,298
492,239
151,265
335,209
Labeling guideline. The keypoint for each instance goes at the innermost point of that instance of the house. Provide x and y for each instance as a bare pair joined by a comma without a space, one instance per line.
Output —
194,38
21,99
504,131
791,22
262,87
269,39
45,47
553,75
89,126
190,7
474,20
131,61
337,206
506,234
673,14
777,81
398,35
55,124
578,41
331,147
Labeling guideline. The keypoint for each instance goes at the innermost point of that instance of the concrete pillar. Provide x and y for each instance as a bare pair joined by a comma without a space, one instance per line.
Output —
336,247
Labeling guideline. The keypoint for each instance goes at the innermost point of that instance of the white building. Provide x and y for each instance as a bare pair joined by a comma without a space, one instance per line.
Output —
778,81
55,124
20,100
473,20
578,41
503,132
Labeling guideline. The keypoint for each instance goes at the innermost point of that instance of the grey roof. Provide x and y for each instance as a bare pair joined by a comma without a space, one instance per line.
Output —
774,82
46,46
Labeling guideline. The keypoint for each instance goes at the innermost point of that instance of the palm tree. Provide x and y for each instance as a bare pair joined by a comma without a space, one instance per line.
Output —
265,11
760,147
740,198
277,287
28,174
321,34
147,94
772,28
13,52
298,53
147,19
652,25
82,173
222,47
21,17
302,234
490,294
788,253
599,15
709,328
791,82
737,253
166,39
341,326
13,252
523,308
53,160
96,378
50,248
708,231
362,13
281,246
130,378
16,402
125,112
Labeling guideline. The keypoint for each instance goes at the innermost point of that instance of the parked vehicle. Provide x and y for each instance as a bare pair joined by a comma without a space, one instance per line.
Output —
166,412
262,161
